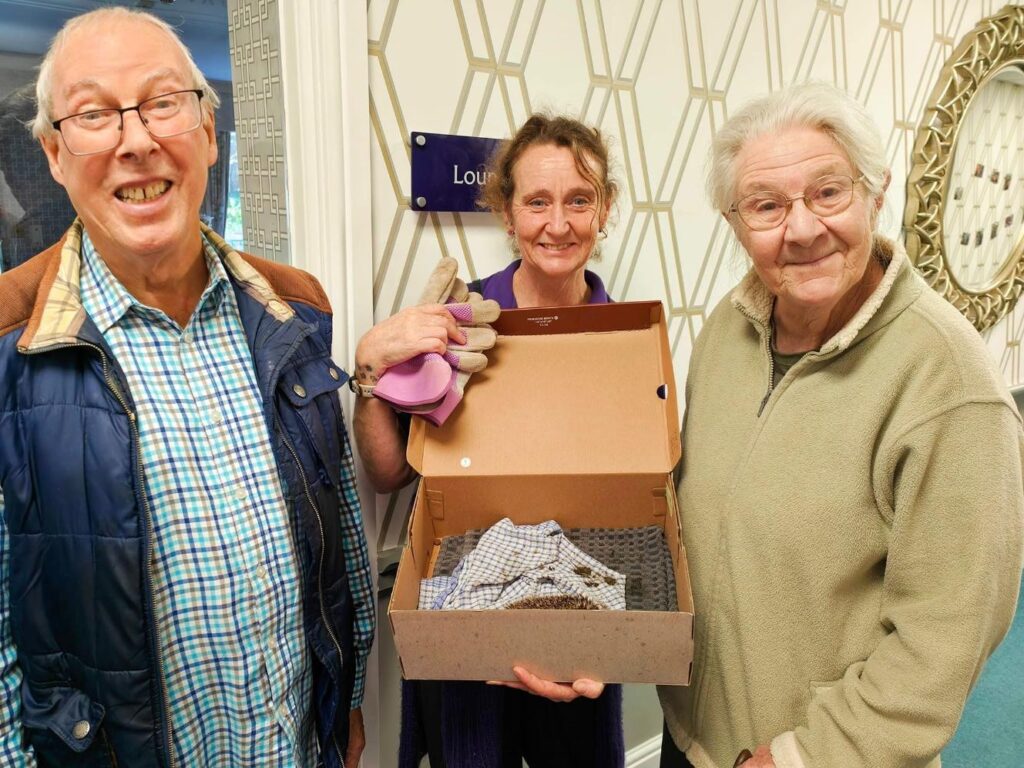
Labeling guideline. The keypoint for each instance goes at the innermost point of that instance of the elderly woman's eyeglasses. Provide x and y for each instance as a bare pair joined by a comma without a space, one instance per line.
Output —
765,209
99,130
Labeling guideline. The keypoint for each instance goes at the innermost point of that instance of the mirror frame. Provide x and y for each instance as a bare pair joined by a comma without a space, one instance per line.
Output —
995,43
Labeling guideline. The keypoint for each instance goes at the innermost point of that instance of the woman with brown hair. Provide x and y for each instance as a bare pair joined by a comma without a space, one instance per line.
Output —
551,188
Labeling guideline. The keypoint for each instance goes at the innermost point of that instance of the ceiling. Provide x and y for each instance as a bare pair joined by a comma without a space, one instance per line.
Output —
26,26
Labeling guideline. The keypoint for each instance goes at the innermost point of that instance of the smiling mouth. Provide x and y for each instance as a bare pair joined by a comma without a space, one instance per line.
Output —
811,262
557,247
143,194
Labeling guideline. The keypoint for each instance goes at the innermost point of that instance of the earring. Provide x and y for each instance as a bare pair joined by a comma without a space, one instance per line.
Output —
601,234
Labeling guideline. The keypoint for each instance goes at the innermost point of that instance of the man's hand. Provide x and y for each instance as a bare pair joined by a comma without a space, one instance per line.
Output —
413,331
564,692
762,758
356,738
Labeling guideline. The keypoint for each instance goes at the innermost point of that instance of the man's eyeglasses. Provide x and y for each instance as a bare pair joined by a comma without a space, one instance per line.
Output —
765,209
99,130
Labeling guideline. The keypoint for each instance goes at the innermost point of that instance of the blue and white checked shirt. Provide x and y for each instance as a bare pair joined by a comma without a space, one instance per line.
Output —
226,581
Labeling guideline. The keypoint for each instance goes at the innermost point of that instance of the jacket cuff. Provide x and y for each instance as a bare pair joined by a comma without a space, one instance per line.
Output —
786,751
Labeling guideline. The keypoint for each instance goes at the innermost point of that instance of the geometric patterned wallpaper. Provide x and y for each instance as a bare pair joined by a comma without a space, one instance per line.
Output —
255,39
985,202
657,76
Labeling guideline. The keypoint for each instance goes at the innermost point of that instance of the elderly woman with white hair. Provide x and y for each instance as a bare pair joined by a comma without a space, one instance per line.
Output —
851,488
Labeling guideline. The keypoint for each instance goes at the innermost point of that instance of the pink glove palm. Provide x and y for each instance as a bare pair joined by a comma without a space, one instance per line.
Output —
431,384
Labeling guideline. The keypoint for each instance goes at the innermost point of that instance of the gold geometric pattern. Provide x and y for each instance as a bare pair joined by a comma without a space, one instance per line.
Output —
658,77
983,291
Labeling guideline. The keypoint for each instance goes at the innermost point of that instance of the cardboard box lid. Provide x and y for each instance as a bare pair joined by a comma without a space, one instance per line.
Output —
567,391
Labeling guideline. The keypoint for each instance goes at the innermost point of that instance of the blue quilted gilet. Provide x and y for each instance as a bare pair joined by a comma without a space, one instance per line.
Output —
81,604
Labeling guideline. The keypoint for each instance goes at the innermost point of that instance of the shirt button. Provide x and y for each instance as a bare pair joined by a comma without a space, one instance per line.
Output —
261,571
240,493
299,390
81,729
216,417
334,373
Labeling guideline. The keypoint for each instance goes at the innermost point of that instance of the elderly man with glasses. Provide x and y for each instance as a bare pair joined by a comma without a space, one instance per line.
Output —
184,579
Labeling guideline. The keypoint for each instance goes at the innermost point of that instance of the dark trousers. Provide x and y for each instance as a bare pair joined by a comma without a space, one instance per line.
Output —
554,734
546,734
671,756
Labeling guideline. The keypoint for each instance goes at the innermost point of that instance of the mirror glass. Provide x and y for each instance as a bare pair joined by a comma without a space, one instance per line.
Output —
984,202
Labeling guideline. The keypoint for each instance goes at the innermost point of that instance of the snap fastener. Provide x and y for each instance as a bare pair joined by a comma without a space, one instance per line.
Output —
299,390
81,729
334,374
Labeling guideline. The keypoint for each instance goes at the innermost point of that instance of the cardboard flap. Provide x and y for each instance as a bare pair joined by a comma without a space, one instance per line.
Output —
567,391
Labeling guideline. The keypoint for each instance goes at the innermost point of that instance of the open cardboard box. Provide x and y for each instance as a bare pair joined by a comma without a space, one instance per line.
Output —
575,420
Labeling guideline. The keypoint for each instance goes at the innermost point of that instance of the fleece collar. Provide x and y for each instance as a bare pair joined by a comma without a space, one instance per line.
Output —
59,317
891,296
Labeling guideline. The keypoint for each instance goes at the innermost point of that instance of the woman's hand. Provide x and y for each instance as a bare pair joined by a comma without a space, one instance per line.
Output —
564,692
413,331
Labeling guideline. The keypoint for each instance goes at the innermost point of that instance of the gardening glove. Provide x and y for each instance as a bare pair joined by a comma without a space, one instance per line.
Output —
432,384
465,307
467,358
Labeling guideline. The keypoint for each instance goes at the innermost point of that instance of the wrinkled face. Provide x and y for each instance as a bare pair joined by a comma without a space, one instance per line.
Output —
808,262
554,213
140,200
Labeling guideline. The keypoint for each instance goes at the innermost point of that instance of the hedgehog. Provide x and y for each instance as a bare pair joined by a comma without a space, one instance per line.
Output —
562,602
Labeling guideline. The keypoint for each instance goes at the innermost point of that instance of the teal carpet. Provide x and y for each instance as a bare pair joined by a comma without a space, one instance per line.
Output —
991,733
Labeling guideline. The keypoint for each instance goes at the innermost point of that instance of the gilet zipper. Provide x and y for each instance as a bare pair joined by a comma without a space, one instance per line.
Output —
141,484
320,564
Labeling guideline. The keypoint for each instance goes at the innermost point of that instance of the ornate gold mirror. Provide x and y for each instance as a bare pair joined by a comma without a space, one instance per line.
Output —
964,218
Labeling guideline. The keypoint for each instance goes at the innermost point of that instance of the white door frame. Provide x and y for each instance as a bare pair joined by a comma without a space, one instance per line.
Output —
325,79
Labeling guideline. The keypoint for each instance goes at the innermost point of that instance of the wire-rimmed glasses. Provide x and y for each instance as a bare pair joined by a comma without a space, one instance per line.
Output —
99,130
765,209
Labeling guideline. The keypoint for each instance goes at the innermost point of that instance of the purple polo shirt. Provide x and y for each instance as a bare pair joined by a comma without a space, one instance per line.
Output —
499,287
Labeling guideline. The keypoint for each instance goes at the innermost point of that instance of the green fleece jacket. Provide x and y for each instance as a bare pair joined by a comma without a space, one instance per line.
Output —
854,536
